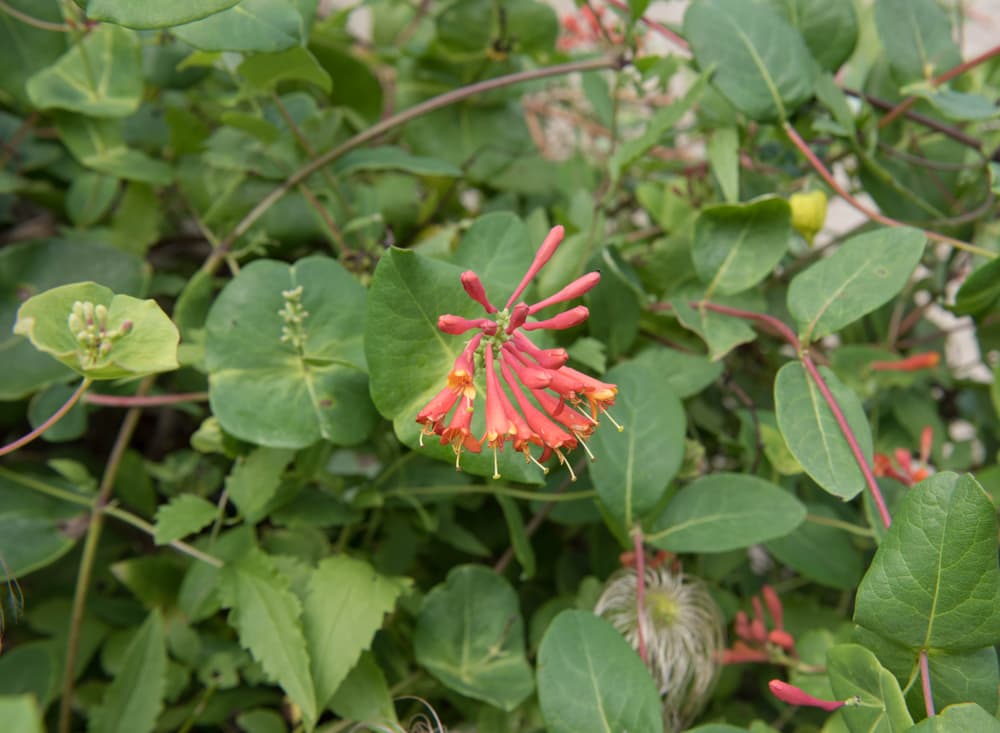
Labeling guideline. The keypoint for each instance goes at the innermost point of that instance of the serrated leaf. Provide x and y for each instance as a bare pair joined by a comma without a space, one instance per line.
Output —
761,64
812,433
254,480
853,670
132,703
141,14
865,272
470,636
266,614
725,511
184,515
252,25
99,77
591,681
634,466
343,609
268,391
150,346
738,245
934,582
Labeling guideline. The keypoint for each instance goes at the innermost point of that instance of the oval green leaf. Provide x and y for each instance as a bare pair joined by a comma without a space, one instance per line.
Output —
812,433
934,582
145,15
271,392
820,552
34,528
634,466
725,511
917,38
591,681
853,670
470,636
959,719
147,347
829,27
737,245
253,25
761,63
865,272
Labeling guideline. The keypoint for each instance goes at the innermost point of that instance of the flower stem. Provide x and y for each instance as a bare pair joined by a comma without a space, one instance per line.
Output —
89,555
107,400
925,683
397,120
640,591
827,176
56,417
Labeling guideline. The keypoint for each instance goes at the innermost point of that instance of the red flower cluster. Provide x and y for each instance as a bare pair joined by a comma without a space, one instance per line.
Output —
756,643
531,395
907,473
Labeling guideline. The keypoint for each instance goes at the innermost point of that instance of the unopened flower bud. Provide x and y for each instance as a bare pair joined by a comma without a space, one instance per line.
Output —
125,328
566,319
796,696
808,213
456,325
474,287
75,322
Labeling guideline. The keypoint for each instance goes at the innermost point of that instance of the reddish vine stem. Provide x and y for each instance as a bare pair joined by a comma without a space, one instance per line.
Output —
827,176
925,683
907,103
56,417
108,400
640,591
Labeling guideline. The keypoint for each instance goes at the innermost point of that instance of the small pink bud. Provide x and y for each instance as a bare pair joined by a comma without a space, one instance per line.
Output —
782,638
773,604
517,317
795,696
543,255
125,327
566,319
574,290
474,287
456,325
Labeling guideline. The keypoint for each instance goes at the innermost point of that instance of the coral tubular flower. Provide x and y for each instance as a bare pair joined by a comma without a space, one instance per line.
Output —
904,470
914,363
532,399
796,696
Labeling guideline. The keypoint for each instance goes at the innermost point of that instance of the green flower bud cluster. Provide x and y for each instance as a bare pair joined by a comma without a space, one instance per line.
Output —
293,314
89,325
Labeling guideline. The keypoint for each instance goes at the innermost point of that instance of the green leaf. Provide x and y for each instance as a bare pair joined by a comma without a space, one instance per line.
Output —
26,49
737,245
141,14
44,405
966,677
100,144
20,714
725,511
820,552
685,372
34,528
980,290
664,120
358,86
89,197
934,583
101,76
252,25
917,38
254,480
408,293
853,670
865,272
591,681
633,467
761,64
265,390
148,347
959,719
267,70
721,333
343,609
615,306
497,248
470,636
812,433
961,106
829,27
386,158
184,515
519,539
267,616
724,159
133,701
34,267
364,693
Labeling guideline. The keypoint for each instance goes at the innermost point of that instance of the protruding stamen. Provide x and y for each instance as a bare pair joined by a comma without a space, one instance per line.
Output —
585,446
614,422
496,465
529,457
562,460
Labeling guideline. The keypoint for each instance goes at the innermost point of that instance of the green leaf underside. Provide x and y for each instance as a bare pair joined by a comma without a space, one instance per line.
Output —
865,272
725,511
264,391
812,433
267,616
737,245
633,467
344,608
591,681
133,701
470,636
934,582
761,64
854,670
